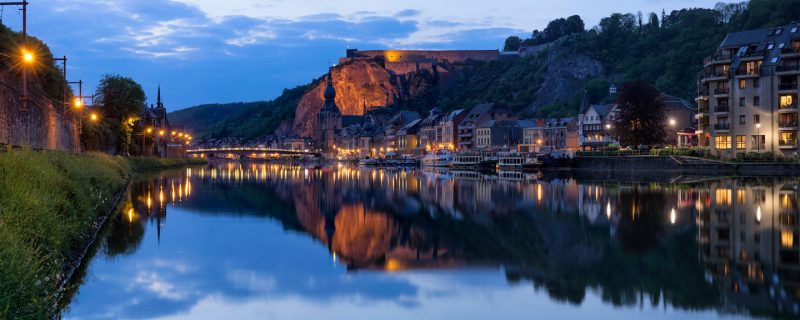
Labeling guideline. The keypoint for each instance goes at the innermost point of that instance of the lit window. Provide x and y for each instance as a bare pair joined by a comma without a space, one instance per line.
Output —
742,84
782,45
723,196
786,101
722,142
774,60
787,239
741,143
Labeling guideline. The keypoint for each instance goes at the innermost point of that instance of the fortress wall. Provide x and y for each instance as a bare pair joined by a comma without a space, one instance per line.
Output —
436,55
43,126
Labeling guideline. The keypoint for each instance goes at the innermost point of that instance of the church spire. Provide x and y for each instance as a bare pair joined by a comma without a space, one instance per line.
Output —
158,103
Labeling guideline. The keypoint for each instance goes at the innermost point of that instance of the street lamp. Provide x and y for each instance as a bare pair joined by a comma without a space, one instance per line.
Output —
93,117
672,122
758,138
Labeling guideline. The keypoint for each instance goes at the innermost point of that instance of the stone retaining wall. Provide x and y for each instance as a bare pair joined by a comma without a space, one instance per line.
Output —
682,165
45,124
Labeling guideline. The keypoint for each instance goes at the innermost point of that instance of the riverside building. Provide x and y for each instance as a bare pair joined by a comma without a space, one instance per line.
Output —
747,93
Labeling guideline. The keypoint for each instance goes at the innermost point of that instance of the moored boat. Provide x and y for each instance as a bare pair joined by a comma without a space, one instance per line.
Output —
441,158
518,161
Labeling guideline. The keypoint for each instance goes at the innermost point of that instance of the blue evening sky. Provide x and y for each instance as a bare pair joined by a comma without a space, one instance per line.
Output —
208,51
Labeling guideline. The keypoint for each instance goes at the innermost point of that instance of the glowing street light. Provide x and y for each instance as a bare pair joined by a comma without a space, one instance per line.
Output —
93,116
149,130
161,133
608,126
672,122
78,103
27,56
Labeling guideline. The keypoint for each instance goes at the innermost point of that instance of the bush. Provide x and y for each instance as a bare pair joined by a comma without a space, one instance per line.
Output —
755,157
684,152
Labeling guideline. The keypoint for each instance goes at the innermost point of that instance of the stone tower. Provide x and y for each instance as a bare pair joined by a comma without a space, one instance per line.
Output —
329,119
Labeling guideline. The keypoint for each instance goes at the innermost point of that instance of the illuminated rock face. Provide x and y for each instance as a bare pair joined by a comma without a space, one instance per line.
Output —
360,86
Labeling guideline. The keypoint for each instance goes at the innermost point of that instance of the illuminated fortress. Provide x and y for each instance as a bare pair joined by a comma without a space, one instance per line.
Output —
403,62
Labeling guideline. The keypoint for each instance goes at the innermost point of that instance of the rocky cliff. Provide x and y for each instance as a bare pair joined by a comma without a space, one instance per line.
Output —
360,85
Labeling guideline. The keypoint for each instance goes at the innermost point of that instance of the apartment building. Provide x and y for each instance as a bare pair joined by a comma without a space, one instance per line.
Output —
747,93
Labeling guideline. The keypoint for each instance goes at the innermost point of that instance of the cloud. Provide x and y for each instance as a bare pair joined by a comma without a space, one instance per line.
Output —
182,43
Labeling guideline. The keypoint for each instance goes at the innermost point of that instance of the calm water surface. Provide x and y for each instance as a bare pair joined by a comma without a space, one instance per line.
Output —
269,241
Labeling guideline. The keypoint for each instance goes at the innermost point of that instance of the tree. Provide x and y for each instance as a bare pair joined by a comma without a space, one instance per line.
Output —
640,118
120,98
513,43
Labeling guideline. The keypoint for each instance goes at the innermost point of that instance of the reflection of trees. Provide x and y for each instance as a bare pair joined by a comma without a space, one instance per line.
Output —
642,222
124,234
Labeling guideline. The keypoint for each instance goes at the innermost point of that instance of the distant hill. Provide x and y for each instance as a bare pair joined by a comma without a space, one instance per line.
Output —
560,63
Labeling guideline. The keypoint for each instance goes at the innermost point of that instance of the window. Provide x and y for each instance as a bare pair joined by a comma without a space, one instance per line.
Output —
756,101
786,101
774,60
794,29
741,120
782,45
742,101
770,46
722,142
756,119
778,31
741,142
755,82
742,84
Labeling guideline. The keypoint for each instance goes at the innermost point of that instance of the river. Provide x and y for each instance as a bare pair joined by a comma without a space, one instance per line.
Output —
273,241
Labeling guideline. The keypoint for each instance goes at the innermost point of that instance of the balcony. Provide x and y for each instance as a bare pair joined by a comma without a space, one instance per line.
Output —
722,127
787,125
787,68
715,75
747,73
788,108
791,50
787,143
787,87
722,91
719,58
702,93
722,109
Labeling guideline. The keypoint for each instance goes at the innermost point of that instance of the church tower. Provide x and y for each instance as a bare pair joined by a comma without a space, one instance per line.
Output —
329,119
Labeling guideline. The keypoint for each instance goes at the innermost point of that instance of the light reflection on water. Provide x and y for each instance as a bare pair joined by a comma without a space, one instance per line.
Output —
432,244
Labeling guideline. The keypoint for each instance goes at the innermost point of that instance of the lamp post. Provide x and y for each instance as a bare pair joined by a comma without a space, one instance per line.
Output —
672,124
758,138
27,57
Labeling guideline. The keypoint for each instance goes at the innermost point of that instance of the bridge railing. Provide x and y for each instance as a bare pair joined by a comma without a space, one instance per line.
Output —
249,149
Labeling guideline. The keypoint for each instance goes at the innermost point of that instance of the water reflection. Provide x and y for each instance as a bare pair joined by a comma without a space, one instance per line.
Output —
699,246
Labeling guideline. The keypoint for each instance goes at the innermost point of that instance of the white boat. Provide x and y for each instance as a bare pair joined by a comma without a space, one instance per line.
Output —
518,161
437,159
466,161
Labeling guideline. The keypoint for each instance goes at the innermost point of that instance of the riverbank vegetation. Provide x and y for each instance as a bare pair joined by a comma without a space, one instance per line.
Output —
50,204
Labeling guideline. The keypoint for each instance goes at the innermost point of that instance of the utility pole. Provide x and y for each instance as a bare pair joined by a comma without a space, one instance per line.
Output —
24,98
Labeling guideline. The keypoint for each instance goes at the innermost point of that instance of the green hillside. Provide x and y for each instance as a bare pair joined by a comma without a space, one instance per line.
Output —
665,49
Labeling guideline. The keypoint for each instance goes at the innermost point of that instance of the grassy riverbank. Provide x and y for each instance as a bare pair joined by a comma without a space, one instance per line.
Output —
50,203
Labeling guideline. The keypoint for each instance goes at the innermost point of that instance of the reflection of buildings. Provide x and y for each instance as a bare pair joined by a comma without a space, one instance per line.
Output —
747,232
152,196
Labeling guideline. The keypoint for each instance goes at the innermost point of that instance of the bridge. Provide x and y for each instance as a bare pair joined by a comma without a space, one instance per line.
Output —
248,152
